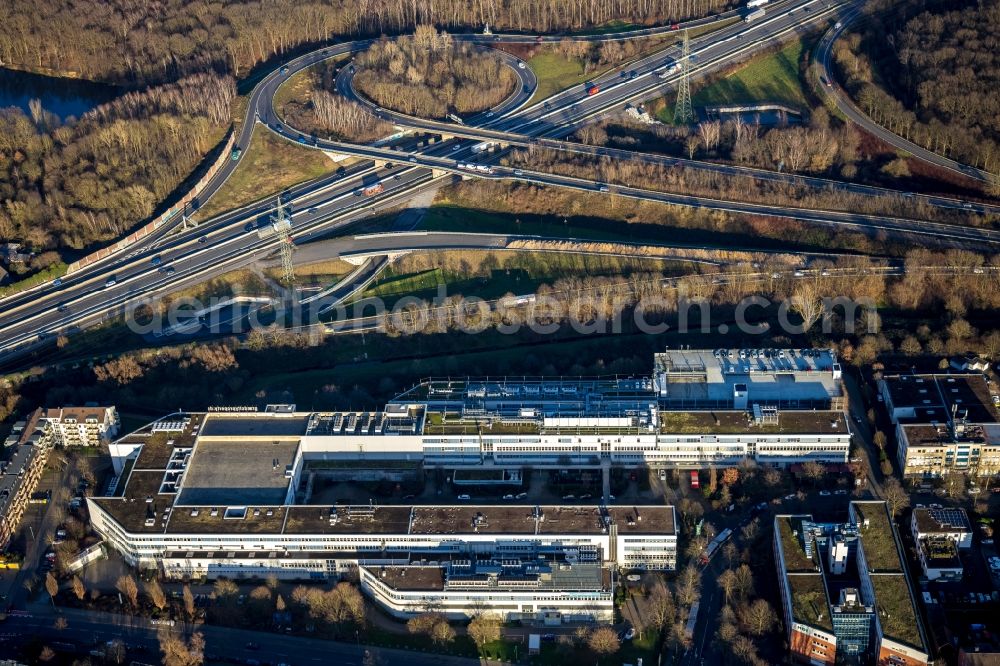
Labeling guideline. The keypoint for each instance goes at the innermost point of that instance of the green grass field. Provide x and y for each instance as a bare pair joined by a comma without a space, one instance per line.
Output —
556,73
267,167
772,78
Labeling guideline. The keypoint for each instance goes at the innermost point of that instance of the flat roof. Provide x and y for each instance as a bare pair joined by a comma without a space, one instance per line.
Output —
349,520
214,519
410,577
941,521
729,422
768,376
933,396
473,520
238,473
894,606
878,539
643,519
810,604
255,425
792,545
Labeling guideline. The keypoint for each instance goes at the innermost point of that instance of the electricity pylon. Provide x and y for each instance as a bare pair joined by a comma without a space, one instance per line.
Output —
282,224
683,112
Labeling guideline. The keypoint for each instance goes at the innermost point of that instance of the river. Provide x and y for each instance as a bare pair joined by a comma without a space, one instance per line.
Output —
62,97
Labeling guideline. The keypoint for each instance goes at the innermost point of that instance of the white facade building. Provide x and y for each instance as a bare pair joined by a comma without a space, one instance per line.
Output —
81,426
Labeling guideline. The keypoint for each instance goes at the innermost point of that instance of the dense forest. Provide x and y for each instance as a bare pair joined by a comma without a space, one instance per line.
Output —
129,41
68,186
932,79
429,75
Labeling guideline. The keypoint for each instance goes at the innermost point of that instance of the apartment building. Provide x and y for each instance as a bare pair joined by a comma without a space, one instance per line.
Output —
944,424
81,426
845,592
19,478
939,535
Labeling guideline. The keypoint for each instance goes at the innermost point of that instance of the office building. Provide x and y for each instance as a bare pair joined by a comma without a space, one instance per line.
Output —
845,592
779,411
944,424
208,501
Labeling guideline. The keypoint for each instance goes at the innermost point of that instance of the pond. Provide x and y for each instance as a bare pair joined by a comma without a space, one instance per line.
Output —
63,97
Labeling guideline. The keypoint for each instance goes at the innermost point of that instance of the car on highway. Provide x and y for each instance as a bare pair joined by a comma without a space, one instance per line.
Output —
464,497
203,239
518,172
602,188
824,493
156,261
110,282
413,159
62,307
521,65
57,282
593,89
168,270
490,114
633,74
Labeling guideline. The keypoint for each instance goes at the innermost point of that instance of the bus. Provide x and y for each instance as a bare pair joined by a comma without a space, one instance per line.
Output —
715,544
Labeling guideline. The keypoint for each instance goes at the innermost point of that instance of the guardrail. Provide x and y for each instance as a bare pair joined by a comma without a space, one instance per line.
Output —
163,218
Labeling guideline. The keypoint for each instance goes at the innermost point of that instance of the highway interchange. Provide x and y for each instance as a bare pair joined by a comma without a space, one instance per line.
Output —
101,291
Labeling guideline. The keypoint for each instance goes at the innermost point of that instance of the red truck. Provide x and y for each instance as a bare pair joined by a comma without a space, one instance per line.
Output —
694,480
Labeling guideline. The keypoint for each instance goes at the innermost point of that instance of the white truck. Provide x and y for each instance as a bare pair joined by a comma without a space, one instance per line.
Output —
753,16
482,147
756,3
672,68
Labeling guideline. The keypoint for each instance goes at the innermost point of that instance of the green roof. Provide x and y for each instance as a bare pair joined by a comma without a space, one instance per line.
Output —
810,604
878,541
791,545
895,611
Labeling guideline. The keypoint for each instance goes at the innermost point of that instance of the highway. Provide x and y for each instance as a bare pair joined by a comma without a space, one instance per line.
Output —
230,241
840,99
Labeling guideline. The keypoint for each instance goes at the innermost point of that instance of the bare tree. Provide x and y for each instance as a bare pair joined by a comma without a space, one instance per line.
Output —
77,586
688,586
727,583
52,587
744,581
662,608
188,597
485,629
156,595
759,617
127,586
896,497
603,641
